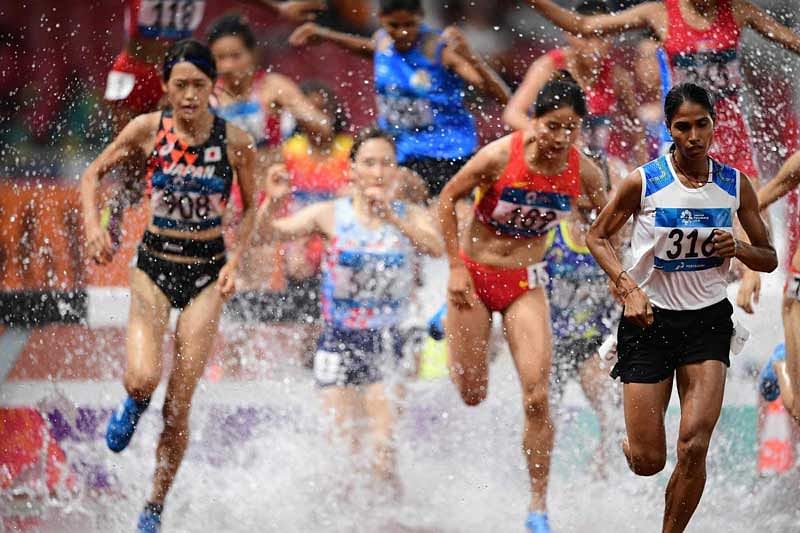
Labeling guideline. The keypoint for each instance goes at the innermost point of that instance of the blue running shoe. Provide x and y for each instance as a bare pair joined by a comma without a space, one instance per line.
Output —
150,519
768,380
123,423
436,324
537,522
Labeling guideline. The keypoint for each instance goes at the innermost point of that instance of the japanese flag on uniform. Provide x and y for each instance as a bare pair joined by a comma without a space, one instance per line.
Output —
212,154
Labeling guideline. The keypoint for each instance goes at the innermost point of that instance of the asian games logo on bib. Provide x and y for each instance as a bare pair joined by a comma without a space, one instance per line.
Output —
686,217
421,80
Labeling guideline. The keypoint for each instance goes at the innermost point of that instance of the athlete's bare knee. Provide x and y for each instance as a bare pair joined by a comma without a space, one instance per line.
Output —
141,383
647,462
692,449
472,393
535,403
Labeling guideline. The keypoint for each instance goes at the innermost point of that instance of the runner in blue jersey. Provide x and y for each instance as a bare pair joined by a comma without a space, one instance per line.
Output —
366,284
421,75
582,313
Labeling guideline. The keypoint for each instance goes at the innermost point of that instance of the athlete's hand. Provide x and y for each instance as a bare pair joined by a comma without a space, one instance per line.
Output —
308,33
226,281
456,39
459,287
379,204
638,309
300,10
98,244
724,243
278,183
749,291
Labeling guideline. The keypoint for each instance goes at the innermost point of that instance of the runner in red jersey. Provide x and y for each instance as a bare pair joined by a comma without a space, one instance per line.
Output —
610,128
527,181
151,27
701,38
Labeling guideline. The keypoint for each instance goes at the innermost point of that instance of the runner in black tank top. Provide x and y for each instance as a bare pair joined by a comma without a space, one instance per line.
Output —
192,158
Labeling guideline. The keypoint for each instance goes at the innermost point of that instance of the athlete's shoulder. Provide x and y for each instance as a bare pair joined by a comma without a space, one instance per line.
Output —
237,138
656,174
726,177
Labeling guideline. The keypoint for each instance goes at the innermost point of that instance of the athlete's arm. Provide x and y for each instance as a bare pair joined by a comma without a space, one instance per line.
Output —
279,90
308,221
418,227
625,91
623,205
593,183
459,57
482,168
293,10
129,148
310,33
787,178
242,155
651,15
516,113
747,14
758,254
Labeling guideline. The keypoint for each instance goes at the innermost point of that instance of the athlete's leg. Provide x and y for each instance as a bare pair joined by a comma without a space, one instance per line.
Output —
341,403
788,372
527,326
600,394
467,333
381,416
701,387
147,321
194,339
645,445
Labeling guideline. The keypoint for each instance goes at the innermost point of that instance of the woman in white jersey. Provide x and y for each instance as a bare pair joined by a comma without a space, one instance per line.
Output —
676,323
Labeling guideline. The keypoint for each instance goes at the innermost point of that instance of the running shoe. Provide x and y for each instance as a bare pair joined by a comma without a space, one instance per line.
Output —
123,423
537,522
150,519
768,380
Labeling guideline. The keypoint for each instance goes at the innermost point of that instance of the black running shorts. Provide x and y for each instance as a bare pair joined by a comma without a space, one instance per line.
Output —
676,338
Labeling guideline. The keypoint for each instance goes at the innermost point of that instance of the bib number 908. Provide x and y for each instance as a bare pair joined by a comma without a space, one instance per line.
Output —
188,207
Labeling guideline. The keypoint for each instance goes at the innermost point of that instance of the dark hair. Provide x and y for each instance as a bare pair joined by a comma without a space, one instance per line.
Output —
367,134
232,24
333,106
683,93
560,92
190,51
389,6
592,7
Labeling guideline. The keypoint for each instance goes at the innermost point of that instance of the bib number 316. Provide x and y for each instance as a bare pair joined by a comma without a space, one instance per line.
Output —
686,245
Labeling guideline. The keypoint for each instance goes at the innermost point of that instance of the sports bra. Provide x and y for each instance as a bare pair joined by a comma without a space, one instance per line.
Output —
522,203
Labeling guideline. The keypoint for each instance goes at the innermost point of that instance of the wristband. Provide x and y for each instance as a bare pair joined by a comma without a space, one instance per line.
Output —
619,277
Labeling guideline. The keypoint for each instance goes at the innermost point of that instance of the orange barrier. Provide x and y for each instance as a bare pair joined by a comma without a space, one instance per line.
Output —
41,239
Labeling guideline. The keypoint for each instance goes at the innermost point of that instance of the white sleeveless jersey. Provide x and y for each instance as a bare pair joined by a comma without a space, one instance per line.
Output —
674,259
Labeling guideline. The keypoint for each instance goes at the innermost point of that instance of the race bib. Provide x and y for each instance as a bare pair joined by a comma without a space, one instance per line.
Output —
187,207
170,19
717,71
683,238
537,275
529,213
405,113
793,287
371,279
327,367
119,85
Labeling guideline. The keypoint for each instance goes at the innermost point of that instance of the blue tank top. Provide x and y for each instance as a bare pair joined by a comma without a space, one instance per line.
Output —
420,101
581,306
658,132
366,273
